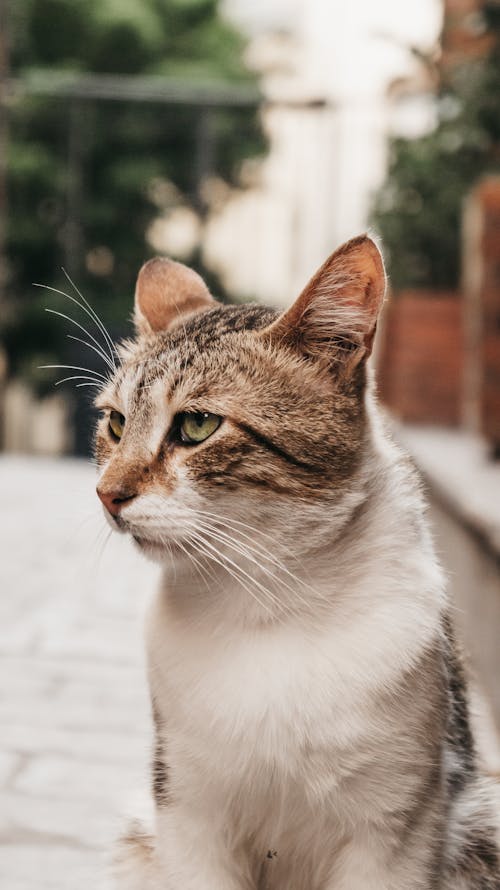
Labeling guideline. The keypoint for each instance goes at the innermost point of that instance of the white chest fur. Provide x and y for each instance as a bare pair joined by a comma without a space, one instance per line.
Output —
271,734
274,699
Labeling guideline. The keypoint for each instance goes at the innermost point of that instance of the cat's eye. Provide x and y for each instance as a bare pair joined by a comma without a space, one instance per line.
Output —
197,427
116,424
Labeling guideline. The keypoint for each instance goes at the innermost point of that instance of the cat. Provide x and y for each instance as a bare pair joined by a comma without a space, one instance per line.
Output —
309,702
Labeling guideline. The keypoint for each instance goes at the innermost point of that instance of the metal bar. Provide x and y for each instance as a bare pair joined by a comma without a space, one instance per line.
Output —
163,90
135,89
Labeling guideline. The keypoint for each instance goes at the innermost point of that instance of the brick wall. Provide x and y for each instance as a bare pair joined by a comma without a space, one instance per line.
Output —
420,357
482,309
490,357
463,37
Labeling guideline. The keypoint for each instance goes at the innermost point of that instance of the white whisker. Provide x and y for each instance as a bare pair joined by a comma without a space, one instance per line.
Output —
78,325
100,552
252,528
98,351
107,339
246,553
227,559
221,560
91,382
202,570
256,547
76,368
98,320
260,552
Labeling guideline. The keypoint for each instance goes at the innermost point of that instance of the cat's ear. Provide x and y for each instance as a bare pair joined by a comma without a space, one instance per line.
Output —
165,293
335,317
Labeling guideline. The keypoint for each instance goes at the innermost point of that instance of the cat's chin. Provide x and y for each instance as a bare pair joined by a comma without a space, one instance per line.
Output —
152,550
155,551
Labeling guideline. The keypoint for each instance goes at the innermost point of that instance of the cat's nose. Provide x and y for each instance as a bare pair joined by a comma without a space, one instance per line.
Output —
115,499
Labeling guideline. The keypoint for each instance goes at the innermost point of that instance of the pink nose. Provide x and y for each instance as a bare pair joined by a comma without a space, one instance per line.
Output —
114,500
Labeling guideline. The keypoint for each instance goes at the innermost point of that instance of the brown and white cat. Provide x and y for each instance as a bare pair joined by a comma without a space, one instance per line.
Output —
311,720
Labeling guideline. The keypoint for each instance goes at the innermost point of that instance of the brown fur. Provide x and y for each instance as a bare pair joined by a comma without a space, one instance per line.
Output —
165,292
278,409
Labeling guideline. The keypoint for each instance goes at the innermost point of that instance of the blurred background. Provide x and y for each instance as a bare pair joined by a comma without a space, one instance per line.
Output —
247,138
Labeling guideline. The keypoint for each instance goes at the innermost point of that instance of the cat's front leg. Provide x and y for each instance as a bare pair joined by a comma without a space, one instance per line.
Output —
192,853
134,865
377,863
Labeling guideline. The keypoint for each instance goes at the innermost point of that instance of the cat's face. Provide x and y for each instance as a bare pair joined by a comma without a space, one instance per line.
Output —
224,419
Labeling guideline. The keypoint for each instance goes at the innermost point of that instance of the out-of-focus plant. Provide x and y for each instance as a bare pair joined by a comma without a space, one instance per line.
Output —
87,178
418,209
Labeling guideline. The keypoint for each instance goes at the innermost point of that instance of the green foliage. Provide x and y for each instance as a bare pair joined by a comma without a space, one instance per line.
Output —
418,210
81,173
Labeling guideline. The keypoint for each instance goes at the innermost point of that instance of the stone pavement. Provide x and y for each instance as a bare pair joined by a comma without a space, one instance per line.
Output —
74,712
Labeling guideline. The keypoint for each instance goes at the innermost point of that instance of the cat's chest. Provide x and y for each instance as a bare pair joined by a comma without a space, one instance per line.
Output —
233,687
273,697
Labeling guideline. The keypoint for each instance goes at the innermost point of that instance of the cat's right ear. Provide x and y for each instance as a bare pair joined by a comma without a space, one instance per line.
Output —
335,317
166,292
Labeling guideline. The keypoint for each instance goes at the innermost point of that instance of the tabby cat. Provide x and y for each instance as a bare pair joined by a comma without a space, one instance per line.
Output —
311,719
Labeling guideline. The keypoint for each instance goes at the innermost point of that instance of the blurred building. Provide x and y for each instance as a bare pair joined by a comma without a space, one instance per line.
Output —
326,67
440,361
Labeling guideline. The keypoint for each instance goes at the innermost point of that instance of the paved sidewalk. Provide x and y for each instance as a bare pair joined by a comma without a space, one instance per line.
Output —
74,712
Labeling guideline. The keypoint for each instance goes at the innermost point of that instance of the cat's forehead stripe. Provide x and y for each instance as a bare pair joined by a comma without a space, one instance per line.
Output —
207,327
177,351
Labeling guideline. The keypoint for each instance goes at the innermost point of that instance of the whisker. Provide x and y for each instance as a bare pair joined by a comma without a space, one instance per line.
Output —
261,551
256,547
246,553
79,377
198,566
89,345
239,546
218,558
241,571
78,325
252,528
100,552
98,320
166,544
84,309
76,368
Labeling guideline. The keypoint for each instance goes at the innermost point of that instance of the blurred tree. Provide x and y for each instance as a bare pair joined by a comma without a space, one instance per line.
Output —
87,178
418,209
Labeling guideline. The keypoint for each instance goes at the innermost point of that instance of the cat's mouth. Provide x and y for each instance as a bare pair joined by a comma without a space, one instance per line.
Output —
148,544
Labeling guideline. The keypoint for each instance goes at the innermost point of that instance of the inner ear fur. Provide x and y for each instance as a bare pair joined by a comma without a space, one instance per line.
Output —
335,316
165,293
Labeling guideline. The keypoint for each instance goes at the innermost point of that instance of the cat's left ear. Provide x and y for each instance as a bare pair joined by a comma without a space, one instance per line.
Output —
165,293
335,317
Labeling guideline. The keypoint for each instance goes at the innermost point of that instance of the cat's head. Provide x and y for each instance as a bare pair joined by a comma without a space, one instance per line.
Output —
231,421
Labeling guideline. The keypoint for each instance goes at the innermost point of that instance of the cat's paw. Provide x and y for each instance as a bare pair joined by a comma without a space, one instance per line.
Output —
133,863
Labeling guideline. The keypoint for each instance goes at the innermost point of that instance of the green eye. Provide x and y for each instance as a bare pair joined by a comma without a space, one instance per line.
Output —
116,424
194,428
